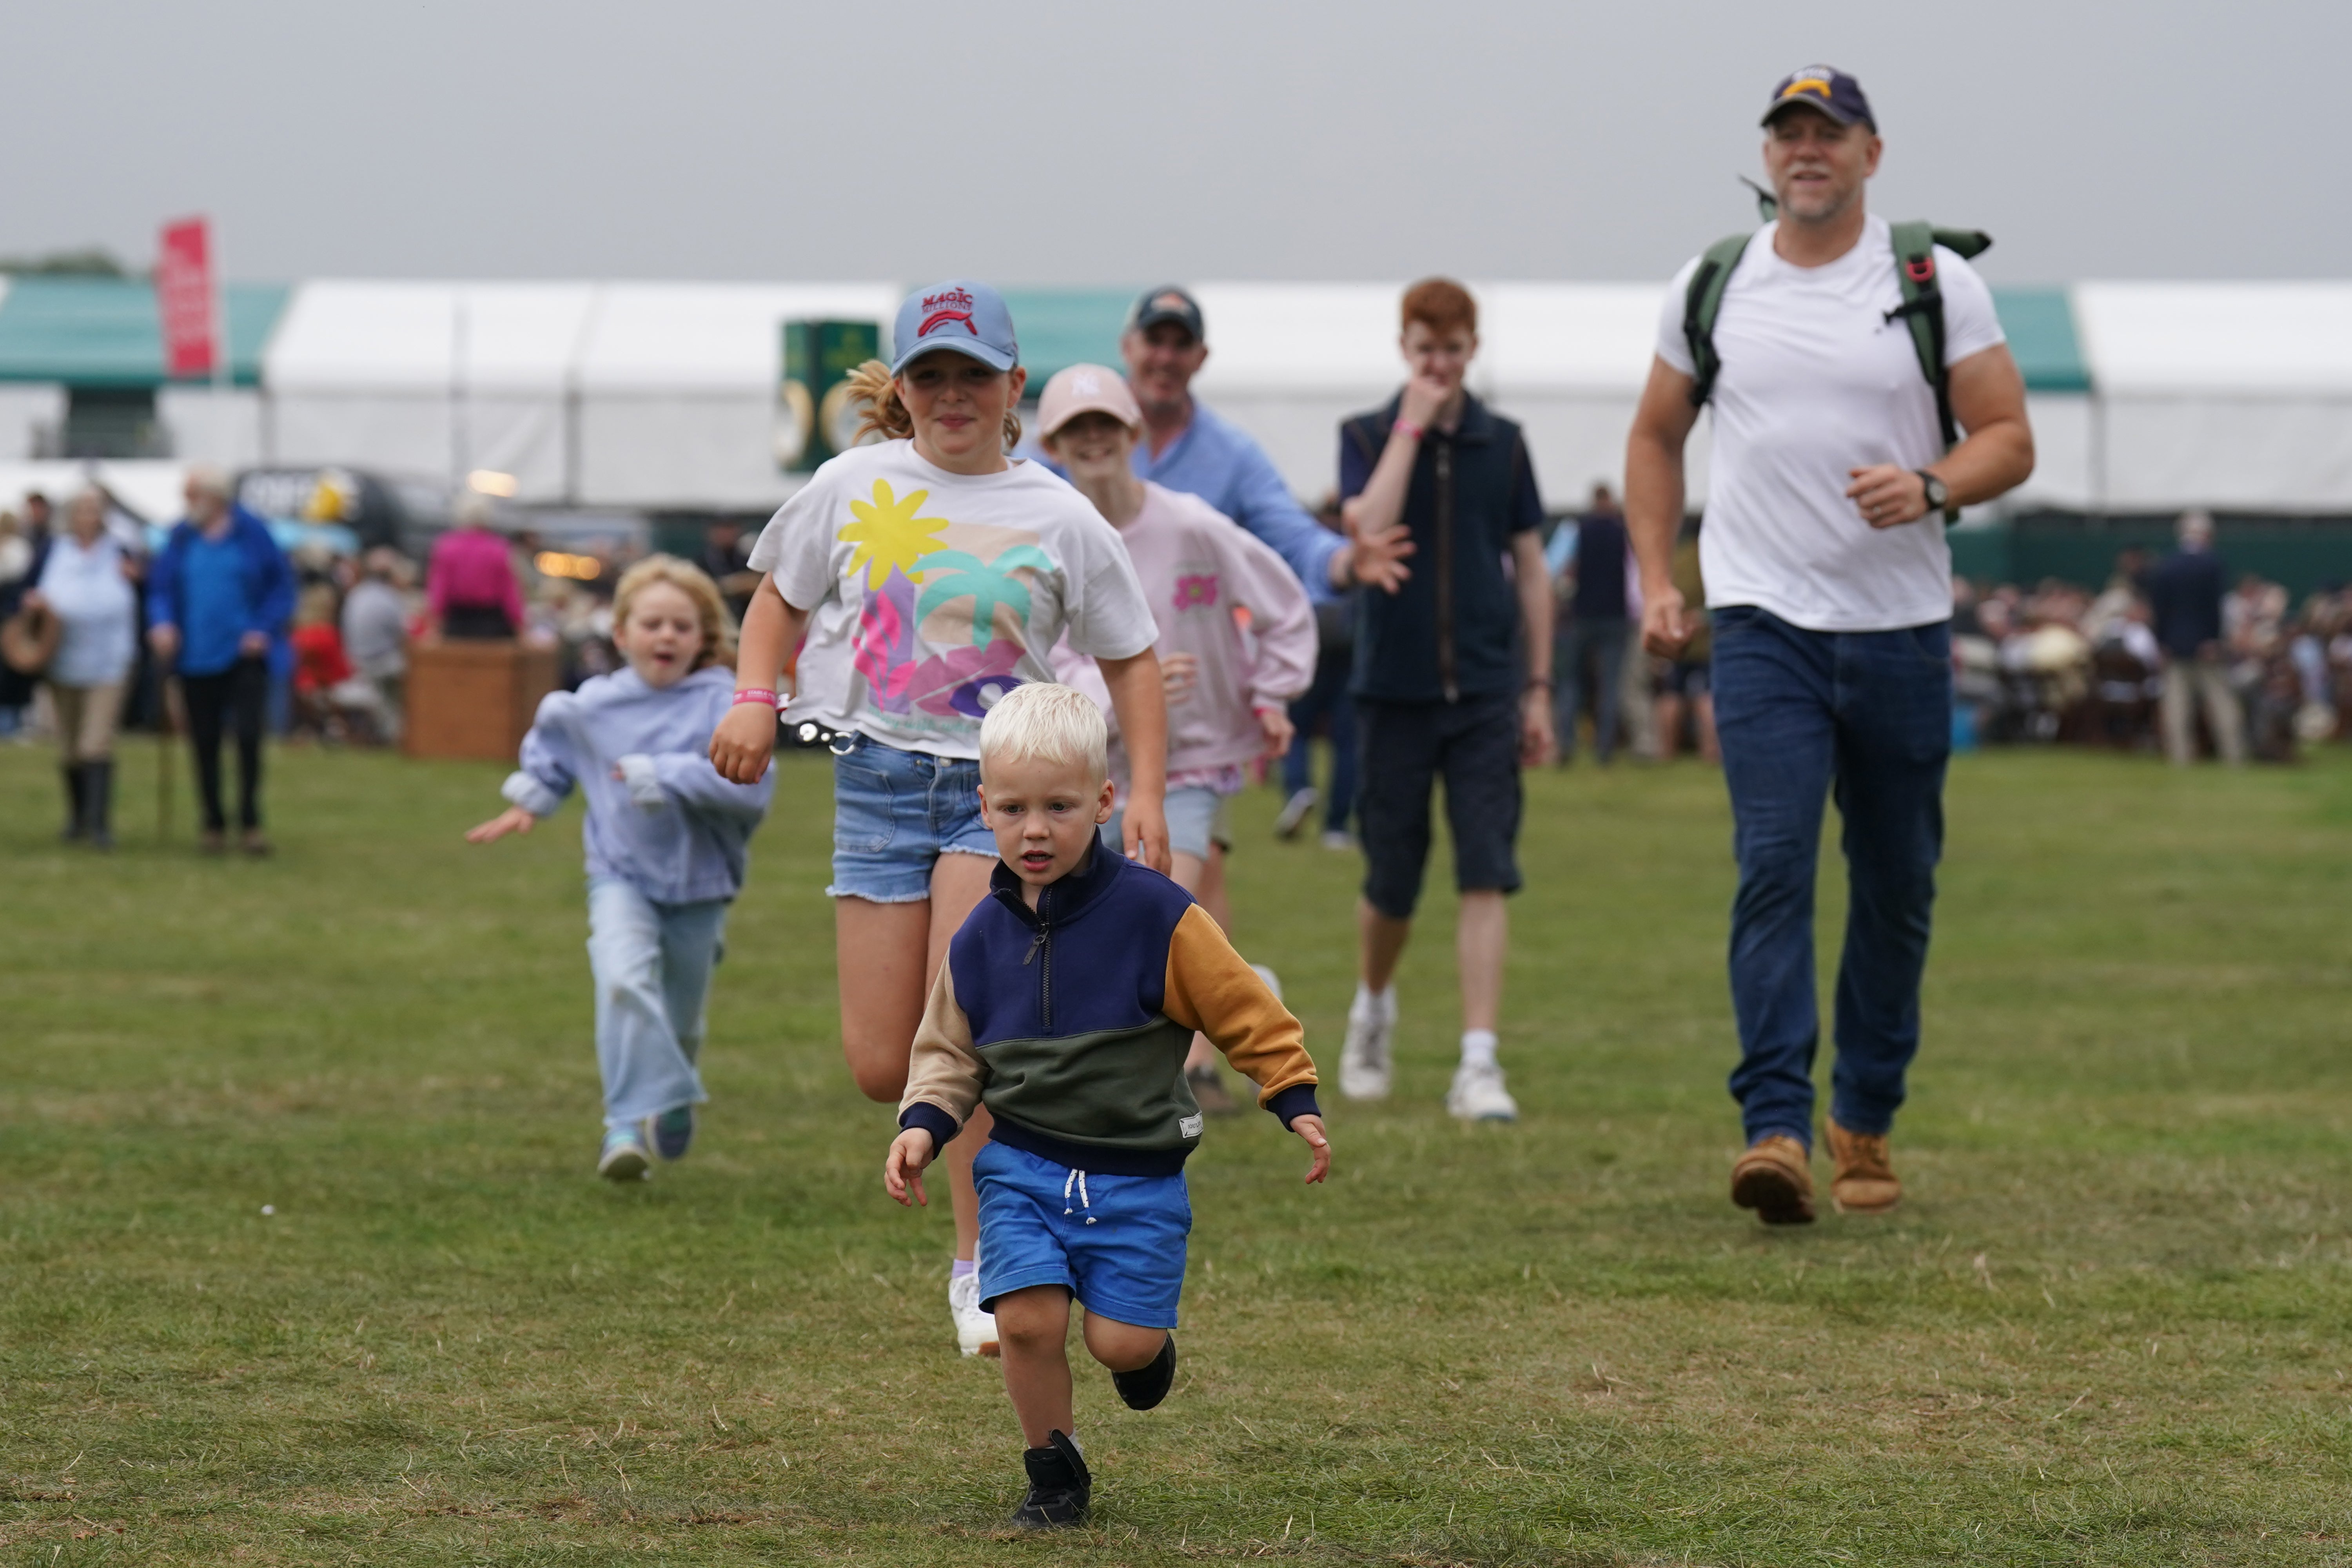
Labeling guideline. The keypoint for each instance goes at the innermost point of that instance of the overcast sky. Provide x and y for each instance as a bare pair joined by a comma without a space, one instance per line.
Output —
1116,144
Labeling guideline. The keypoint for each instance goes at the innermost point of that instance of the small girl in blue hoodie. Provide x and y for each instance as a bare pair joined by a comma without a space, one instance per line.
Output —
665,838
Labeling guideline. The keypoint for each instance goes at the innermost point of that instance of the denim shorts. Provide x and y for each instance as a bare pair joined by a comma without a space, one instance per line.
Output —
895,813
1196,819
1117,1243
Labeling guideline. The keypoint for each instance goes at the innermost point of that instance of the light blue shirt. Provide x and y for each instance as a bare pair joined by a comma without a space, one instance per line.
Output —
1220,463
669,826
97,608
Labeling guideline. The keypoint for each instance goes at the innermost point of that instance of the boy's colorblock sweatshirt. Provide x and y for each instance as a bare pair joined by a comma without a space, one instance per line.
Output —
1070,1022
669,825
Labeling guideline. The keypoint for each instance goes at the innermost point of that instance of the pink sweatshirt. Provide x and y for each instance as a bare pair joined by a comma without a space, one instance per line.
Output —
472,566
1197,565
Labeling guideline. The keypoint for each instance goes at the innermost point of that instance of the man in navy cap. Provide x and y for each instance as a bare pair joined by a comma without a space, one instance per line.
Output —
1831,585
1188,448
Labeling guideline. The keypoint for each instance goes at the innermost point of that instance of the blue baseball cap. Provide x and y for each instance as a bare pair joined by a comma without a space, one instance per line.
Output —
958,314
1824,89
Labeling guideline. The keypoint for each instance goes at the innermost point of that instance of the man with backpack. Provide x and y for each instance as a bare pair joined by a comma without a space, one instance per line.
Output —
1843,357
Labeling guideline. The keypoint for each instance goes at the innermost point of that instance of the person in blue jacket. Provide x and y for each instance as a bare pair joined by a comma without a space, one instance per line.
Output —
667,839
218,600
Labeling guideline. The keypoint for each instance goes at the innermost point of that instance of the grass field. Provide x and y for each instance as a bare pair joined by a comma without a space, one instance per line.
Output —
2109,1326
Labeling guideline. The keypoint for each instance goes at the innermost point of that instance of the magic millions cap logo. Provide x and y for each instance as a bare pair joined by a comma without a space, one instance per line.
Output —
947,306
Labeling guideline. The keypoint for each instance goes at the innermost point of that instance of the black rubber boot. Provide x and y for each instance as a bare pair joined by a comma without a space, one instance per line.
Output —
77,803
1061,1489
98,803
1147,1385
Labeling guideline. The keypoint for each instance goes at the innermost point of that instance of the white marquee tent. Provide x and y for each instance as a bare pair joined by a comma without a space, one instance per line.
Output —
664,395
600,394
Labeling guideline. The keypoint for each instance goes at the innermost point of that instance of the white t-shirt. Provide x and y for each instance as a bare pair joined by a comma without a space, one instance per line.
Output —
932,594
1816,381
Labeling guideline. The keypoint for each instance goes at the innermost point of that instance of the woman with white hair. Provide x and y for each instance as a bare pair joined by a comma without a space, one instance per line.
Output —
218,600
85,580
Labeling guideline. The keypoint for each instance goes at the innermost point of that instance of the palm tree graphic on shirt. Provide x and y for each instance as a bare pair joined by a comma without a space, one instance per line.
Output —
888,533
951,574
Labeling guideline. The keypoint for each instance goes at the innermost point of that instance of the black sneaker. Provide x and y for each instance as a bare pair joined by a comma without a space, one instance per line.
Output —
1060,1487
1147,1385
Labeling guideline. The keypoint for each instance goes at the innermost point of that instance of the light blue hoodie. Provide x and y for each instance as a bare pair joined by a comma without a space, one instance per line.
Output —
669,826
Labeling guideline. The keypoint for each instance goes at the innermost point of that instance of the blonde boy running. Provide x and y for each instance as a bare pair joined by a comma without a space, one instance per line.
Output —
1066,1007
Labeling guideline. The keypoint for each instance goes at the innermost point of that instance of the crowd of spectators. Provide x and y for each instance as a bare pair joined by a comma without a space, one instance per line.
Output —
2170,654
2145,664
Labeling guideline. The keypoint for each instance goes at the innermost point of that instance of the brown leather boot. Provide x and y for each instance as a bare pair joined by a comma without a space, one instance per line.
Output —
1775,1178
1865,1181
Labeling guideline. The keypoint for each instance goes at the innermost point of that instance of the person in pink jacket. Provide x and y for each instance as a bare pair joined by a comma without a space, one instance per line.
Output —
1237,638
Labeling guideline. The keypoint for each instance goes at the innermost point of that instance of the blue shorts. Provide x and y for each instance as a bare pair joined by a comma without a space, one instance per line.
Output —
1196,819
895,813
1119,1248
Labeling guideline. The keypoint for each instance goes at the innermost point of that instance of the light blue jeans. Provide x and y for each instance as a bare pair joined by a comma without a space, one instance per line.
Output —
652,963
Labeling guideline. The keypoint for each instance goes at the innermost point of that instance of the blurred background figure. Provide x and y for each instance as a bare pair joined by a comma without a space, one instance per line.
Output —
470,588
1325,705
218,601
1684,693
1593,567
2186,593
15,576
84,579
375,632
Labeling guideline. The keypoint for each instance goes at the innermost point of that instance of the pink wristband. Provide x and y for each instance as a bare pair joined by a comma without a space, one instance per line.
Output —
757,694
1405,428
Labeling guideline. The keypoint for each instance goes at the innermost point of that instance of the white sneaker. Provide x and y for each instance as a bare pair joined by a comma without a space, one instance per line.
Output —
1294,812
1478,1095
1364,1060
975,1330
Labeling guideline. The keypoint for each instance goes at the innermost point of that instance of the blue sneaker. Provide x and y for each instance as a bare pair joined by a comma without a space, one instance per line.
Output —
671,1132
625,1158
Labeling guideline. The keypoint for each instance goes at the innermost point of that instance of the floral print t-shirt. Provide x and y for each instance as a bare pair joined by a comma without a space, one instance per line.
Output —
931,593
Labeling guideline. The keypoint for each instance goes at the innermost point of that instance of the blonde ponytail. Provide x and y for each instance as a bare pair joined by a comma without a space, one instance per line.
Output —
872,385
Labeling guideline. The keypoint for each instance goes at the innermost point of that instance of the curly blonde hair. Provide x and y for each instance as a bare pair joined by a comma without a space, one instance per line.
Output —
872,385
709,607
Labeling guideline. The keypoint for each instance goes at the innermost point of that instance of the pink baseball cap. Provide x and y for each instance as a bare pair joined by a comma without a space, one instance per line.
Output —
1087,389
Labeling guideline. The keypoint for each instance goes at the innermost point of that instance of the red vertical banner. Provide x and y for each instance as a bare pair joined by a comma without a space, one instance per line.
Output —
183,296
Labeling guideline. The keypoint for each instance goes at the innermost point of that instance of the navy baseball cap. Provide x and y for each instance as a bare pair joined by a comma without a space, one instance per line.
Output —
958,314
1825,89
1167,303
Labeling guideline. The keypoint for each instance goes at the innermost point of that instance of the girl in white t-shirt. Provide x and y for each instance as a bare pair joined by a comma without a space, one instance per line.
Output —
929,575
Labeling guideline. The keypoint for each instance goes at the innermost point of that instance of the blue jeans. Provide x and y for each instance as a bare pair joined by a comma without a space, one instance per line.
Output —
1328,696
1600,644
652,963
1867,715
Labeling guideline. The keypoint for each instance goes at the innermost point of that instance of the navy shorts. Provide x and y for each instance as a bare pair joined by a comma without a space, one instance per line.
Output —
1117,1243
1405,748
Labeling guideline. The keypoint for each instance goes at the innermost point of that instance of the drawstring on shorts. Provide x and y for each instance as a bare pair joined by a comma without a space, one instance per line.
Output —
1079,1180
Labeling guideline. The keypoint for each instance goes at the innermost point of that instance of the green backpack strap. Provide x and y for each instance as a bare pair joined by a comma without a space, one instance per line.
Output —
1923,303
1702,303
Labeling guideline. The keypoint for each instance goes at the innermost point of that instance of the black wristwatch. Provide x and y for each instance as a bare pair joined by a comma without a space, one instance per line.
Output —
1940,496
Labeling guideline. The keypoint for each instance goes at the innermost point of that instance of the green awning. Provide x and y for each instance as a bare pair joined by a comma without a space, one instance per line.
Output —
1062,327
105,332
2041,327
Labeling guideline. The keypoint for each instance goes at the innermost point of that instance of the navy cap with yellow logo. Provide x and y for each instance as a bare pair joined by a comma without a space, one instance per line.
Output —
1825,89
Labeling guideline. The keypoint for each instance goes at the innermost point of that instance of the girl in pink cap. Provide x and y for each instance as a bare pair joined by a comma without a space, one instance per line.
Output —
929,574
1228,687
